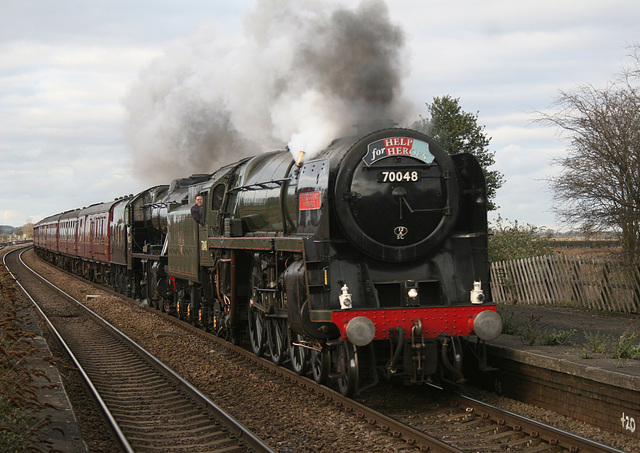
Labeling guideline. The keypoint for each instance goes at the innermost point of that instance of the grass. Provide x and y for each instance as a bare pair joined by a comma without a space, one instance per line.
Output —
532,331
557,337
625,347
597,343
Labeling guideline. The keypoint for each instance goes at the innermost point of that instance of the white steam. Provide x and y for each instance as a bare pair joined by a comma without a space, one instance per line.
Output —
304,73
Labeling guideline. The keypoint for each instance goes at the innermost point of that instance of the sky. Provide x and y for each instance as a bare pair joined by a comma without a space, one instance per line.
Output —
106,98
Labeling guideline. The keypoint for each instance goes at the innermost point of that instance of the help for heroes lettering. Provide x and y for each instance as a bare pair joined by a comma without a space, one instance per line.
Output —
398,146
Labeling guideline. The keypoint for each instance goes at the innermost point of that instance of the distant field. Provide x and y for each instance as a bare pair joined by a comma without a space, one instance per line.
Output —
584,244
605,248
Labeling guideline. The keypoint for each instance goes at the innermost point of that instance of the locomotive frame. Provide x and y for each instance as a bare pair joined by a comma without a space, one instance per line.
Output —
368,260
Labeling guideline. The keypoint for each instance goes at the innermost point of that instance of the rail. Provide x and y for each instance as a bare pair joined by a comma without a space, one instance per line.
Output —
115,395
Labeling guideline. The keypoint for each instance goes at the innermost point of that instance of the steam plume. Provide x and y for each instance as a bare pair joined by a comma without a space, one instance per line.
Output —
303,73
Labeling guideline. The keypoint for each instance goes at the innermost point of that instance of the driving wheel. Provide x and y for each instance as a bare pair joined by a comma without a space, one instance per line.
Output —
347,369
256,331
297,353
276,339
320,362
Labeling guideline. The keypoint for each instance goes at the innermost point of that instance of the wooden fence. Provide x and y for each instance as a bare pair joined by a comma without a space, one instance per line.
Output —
558,279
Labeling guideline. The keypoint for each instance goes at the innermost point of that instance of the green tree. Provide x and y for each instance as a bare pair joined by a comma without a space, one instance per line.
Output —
458,132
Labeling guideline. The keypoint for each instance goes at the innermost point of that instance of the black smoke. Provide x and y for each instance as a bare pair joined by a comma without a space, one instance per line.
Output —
301,74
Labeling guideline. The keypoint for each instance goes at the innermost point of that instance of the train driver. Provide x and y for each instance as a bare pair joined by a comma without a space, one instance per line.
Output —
196,209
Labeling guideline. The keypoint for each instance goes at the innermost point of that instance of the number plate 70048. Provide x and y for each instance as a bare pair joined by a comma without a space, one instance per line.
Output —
399,176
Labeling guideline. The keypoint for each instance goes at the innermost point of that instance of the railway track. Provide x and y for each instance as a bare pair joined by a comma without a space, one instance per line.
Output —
456,423
453,425
150,407
474,426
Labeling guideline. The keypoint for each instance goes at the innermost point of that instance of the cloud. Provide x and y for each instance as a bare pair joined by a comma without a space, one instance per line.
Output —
61,124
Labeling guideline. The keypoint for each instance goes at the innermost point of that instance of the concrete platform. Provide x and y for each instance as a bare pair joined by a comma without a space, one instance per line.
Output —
623,373
570,378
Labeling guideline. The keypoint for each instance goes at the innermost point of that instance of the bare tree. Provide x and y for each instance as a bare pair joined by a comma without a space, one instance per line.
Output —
599,185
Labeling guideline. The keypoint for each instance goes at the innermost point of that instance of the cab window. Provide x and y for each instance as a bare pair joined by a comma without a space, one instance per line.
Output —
218,197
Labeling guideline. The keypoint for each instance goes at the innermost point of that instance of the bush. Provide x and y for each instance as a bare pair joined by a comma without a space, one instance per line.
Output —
510,242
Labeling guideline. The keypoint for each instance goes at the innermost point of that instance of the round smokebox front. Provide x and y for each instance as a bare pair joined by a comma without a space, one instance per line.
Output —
396,194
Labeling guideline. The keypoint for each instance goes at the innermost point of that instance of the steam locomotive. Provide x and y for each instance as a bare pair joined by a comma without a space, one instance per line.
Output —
368,260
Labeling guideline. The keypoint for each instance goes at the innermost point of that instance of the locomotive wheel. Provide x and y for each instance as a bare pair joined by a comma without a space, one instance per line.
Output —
320,362
347,369
219,328
278,346
219,325
183,309
206,317
256,332
121,284
298,354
